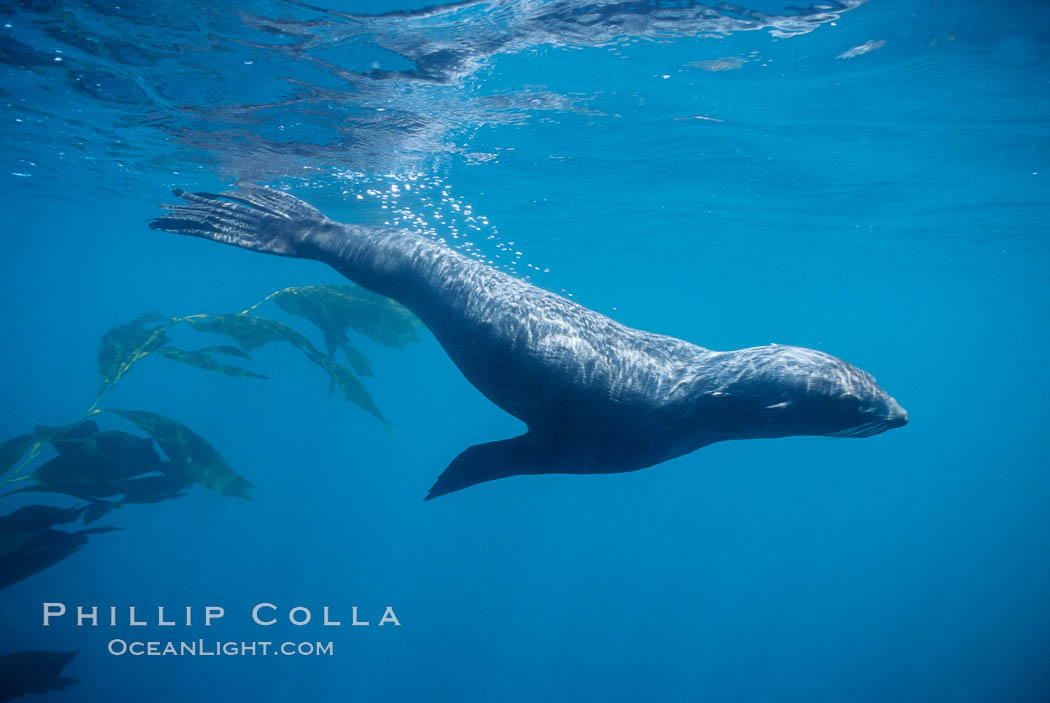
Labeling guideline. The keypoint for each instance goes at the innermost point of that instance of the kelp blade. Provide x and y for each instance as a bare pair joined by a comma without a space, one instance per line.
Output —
189,452
202,360
45,549
14,449
352,389
336,309
120,346
103,456
380,319
252,331
23,525
33,671
360,363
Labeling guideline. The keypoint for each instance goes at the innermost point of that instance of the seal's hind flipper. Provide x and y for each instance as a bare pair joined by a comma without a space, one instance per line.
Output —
487,462
255,218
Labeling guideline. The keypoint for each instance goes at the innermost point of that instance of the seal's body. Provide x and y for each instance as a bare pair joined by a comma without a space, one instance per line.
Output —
598,397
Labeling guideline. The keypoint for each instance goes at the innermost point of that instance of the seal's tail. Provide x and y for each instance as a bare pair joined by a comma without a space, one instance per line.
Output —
253,217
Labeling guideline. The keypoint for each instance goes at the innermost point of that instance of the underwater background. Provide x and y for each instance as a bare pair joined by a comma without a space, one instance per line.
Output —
864,178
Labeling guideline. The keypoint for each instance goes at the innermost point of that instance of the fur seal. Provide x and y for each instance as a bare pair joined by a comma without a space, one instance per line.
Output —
598,397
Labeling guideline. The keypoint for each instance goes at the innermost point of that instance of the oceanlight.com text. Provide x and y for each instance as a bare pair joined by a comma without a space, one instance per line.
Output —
215,648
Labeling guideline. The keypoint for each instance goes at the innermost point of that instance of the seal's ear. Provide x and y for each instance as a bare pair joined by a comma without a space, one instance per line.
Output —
487,462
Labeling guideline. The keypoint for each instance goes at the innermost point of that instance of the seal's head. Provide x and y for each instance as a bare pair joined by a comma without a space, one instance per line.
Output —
788,391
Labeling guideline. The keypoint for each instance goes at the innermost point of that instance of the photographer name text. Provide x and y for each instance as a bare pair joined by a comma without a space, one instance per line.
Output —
262,614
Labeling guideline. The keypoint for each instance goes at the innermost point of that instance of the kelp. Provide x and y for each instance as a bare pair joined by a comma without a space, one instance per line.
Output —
66,436
44,549
188,453
358,361
125,344
111,468
142,489
34,442
250,331
313,303
39,517
121,347
14,449
380,319
85,490
93,465
104,456
33,671
98,509
75,468
203,360
24,524
154,489
352,389
336,309
253,331
227,349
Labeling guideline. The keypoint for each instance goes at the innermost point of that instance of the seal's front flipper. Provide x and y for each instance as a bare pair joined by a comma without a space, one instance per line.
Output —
255,218
487,462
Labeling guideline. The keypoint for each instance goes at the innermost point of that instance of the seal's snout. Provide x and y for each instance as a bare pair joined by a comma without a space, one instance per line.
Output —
897,416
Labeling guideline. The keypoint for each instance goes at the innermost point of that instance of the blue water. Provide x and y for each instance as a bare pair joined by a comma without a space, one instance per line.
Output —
871,182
